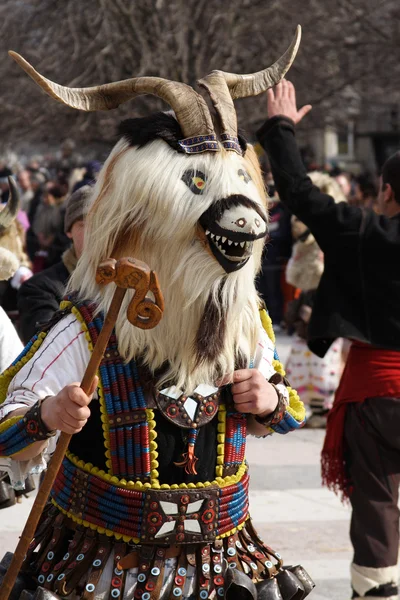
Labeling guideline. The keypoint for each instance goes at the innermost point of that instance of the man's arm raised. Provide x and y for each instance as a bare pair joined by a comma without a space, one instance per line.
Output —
318,211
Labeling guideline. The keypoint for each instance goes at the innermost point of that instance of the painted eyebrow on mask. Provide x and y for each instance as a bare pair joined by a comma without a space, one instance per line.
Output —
195,180
244,175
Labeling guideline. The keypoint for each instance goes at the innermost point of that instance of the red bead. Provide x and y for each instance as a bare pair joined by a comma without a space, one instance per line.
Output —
150,585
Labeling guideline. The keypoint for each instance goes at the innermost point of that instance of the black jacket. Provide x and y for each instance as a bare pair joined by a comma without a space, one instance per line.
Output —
359,293
39,298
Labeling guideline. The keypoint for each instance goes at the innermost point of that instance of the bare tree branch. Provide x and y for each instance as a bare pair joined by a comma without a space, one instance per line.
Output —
354,43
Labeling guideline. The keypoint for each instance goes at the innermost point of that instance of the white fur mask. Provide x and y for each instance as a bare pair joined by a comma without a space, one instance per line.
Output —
199,222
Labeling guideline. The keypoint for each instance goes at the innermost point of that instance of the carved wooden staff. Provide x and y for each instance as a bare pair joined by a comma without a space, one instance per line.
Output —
127,273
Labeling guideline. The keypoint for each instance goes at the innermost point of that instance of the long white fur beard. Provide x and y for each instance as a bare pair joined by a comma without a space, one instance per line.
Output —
186,289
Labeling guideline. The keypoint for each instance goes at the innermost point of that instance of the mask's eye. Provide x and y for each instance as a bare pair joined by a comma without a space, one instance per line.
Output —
244,175
195,180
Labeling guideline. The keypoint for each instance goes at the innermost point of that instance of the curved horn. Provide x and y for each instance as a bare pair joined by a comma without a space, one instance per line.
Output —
225,87
9,212
190,108
241,86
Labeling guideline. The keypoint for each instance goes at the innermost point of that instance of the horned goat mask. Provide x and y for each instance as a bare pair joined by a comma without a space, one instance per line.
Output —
230,225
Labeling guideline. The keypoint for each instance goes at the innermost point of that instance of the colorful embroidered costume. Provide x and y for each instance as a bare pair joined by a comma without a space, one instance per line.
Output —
115,494
151,500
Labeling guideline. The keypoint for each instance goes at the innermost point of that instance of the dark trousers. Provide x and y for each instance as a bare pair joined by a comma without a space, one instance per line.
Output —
372,437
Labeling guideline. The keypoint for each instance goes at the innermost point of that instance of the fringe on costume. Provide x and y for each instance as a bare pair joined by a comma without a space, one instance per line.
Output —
70,559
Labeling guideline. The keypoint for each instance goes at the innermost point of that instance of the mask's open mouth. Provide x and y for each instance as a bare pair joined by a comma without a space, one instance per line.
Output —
234,251
231,228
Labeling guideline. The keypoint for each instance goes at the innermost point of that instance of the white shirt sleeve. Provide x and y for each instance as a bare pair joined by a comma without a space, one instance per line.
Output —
10,344
264,355
60,360
263,360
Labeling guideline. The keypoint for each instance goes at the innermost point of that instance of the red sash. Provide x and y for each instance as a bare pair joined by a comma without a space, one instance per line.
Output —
370,372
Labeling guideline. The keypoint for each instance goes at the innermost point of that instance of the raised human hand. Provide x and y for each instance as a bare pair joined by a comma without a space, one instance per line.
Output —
68,411
281,100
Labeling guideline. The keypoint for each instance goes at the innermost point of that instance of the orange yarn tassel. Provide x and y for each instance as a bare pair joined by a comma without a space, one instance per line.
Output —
189,461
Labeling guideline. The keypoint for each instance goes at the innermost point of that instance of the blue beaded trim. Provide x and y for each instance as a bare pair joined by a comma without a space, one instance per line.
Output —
200,143
23,433
288,424
231,143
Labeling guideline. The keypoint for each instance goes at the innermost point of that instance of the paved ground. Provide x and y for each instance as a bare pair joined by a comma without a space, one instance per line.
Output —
294,515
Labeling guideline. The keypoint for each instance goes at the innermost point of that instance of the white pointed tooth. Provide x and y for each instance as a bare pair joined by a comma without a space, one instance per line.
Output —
207,232
223,240
242,244
230,242
212,236
236,243
217,237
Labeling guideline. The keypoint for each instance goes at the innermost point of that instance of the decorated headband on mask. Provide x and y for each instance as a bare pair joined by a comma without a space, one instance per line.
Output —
190,108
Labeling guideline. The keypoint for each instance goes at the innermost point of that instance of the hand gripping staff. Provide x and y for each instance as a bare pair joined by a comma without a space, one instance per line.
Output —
126,273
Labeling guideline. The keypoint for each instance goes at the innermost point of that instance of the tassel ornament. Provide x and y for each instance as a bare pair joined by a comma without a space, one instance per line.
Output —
189,459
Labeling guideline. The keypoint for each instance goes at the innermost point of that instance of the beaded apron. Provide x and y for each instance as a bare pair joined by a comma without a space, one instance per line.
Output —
125,513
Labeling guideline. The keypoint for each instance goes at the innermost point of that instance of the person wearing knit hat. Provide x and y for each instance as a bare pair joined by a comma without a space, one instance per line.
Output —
39,297
76,207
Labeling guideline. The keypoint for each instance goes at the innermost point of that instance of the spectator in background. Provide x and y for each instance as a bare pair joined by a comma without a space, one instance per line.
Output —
34,164
47,240
92,169
67,159
26,192
5,173
39,297
62,180
276,254
315,379
12,238
366,192
344,180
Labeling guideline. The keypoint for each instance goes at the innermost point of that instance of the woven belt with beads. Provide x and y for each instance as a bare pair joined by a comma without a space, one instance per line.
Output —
152,516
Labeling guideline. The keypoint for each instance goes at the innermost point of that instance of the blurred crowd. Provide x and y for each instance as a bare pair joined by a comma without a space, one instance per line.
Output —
44,185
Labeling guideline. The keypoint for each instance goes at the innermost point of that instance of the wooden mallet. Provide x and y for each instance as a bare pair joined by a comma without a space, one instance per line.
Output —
126,273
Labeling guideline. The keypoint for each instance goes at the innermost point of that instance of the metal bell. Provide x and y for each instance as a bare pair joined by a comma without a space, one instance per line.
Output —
238,586
43,594
304,578
22,582
290,586
7,495
26,595
268,590
6,561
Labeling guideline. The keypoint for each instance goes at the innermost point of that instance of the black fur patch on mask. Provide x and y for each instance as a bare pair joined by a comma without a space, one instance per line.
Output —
211,333
140,132
242,142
